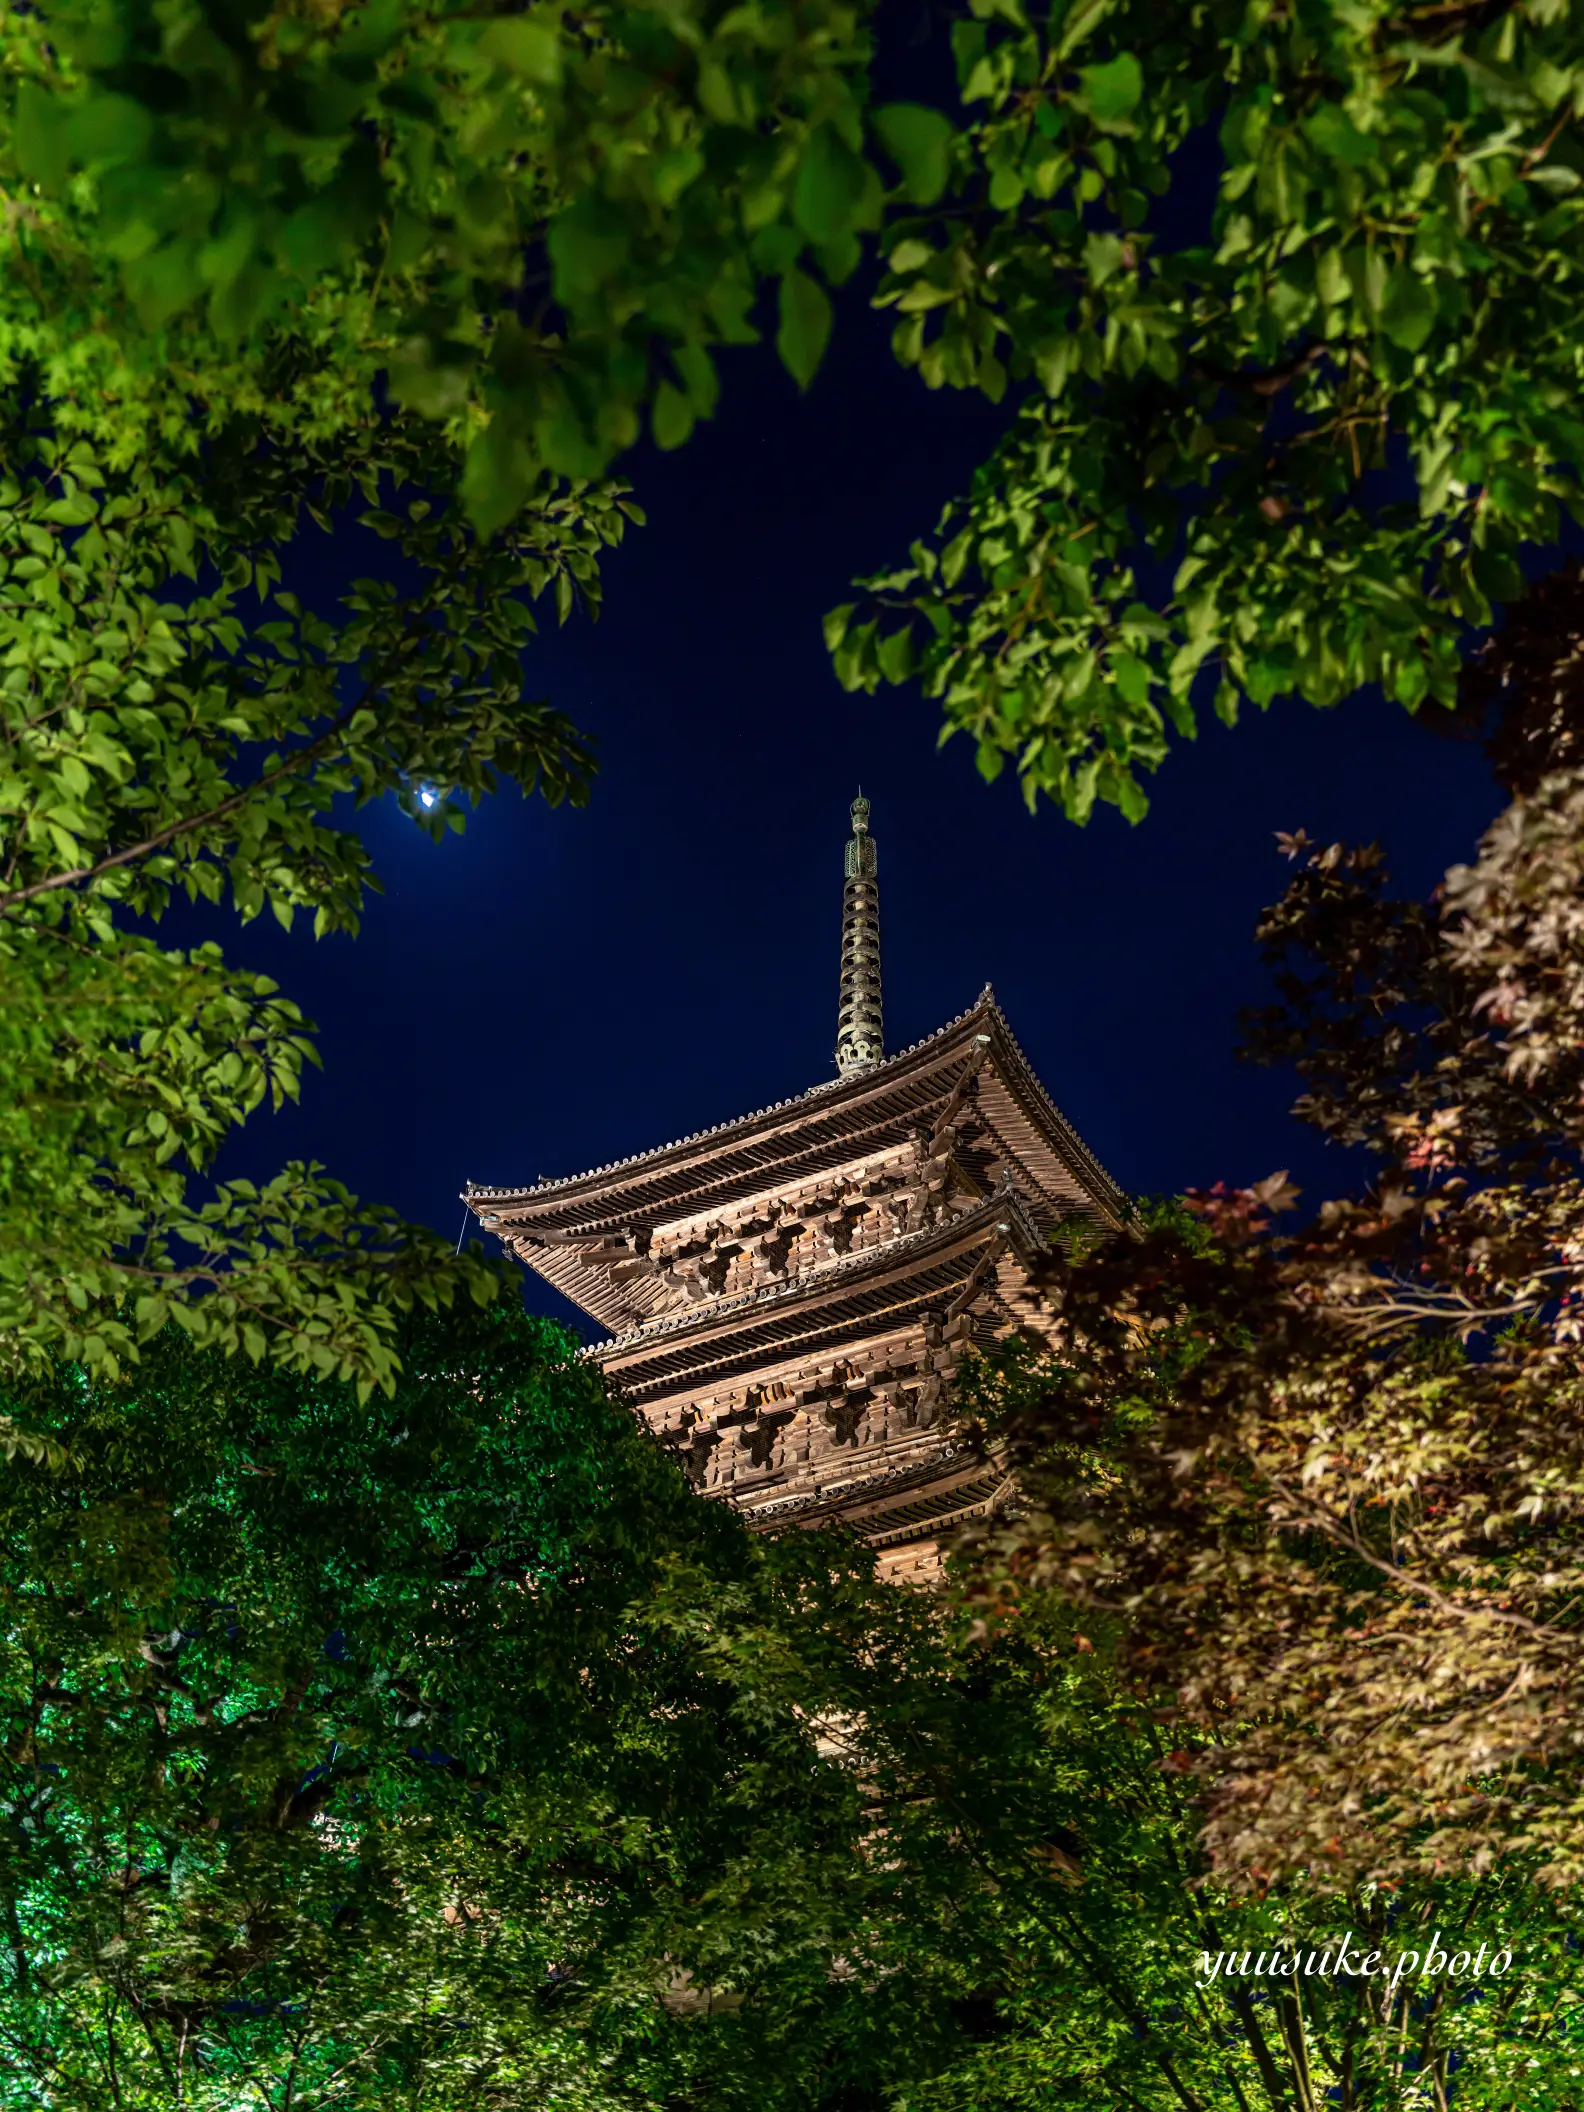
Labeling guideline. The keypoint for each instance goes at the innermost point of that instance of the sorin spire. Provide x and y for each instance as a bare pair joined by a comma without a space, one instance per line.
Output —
859,1027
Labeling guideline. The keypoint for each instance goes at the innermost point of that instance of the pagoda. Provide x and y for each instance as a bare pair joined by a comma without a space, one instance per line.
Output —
789,1296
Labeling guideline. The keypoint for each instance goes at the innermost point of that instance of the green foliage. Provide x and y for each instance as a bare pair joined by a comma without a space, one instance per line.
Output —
448,1749
176,725
543,224
1340,414
232,239
354,1749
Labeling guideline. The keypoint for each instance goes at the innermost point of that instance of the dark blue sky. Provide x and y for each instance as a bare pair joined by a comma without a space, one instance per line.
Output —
554,990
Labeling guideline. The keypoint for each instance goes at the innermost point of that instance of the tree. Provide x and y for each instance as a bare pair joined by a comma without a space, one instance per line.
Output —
1339,404
1286,447
1107,1967
160,739
358,1748
447,1748
225,233
1333,1477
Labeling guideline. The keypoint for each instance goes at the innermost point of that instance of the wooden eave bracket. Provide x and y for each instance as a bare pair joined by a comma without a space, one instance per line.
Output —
993,1252
959,1092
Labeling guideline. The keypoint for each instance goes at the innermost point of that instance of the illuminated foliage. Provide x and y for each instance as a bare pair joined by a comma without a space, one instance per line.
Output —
1337,401
448,1749
1335,1476
541,223
353,1747
1284,447
175,725
261,264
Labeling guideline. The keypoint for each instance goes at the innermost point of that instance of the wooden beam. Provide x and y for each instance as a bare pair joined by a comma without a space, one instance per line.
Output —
959,1092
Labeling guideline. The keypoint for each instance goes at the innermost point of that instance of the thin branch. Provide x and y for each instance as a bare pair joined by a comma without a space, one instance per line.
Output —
157,842
1269,382
1323,1522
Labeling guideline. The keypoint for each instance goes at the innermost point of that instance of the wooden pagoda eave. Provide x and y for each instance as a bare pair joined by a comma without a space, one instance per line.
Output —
836,1124
855,1491
617,1306
841,1301
893,1257
945,1490
810,1138
1028,1122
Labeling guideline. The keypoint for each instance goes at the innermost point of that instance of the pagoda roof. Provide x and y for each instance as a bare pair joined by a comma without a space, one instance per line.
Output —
834,1123
815,1313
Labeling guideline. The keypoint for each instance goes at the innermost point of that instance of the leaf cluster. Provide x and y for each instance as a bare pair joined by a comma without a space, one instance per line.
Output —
447,1747
175,725
541,223
1329,1481
1287,453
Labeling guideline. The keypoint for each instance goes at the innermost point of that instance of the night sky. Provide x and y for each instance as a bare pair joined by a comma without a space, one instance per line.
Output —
555,990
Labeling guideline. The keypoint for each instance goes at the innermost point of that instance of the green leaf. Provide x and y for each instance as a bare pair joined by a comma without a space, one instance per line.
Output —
236,308
673,416
1410,683
527,47
108,129
1103,255
919,142
805,326
699,377
831,196
1408,313
587,244
1498,574
1330,128
43,151
776,248
894,655
1111,93
165,283
675,171
910,255
71,512
313,238
497,476
838,260
1132,678
1130,796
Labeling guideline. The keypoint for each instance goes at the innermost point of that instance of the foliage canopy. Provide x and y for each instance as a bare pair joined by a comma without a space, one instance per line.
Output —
447,1748
1285,442
538,224
262,258
1336,1474
1285,445
177,726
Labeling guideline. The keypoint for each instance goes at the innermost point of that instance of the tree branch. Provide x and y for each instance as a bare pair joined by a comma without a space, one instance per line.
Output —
1322,1522
157,842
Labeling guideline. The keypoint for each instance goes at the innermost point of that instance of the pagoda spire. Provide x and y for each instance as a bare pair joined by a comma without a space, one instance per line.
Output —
859,1030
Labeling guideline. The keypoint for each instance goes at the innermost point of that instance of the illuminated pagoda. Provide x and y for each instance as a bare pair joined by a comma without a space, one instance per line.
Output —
789,1295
